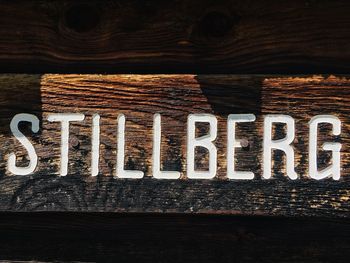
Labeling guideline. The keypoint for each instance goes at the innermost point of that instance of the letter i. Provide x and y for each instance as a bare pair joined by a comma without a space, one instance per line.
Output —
95,144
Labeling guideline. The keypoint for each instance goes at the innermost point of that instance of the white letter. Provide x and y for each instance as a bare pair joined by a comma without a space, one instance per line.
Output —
95,143
33,158
65,118
282,144
120,152
232,143
334,169
157,135
204,141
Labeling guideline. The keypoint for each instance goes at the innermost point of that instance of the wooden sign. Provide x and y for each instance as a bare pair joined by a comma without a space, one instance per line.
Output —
175,143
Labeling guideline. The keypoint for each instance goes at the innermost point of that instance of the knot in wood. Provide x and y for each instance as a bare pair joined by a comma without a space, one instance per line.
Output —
216,24
82,17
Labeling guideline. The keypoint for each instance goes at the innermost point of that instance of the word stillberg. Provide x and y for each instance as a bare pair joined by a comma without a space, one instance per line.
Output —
207,141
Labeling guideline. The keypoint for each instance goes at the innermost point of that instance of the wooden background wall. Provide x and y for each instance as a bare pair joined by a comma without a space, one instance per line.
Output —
193,36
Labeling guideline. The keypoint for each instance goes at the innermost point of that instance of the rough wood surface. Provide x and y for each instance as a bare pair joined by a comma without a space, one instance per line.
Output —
223,36
96,237
174,96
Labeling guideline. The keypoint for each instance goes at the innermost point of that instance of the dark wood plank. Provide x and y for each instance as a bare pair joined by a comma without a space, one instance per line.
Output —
225,36
174,96
93,237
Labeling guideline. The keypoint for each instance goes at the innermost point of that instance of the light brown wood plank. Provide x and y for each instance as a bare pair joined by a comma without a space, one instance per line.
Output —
139,97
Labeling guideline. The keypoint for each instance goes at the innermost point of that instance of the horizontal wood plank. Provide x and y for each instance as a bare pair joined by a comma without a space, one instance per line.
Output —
94,237
139,97
228,36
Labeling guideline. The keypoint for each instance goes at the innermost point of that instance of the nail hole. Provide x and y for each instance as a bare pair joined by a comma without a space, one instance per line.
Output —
82,18
244,143
74,142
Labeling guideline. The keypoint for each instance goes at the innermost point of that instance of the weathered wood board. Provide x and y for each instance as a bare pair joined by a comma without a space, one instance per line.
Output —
174,97
106,237
196,36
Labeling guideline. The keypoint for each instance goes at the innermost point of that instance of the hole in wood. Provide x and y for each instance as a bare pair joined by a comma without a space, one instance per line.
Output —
82,18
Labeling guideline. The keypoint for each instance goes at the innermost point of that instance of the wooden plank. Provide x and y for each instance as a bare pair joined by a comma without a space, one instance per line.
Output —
139,97
93,237
228,36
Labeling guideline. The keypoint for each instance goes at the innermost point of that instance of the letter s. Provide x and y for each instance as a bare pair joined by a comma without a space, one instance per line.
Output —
33,158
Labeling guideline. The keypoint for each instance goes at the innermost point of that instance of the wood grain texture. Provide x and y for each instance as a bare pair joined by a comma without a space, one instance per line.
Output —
225,36
96,237
174,96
